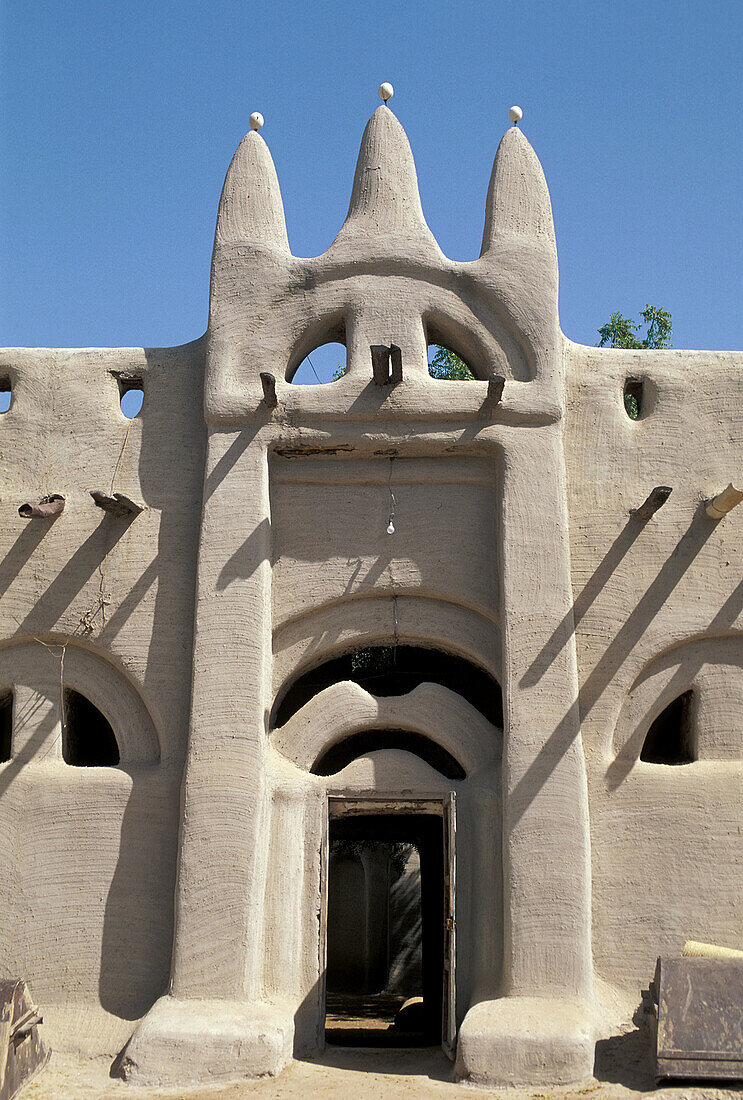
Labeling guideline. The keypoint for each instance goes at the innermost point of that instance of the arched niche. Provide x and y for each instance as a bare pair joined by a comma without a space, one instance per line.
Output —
54,671
670,738
487,348
690,695
88,738
326,329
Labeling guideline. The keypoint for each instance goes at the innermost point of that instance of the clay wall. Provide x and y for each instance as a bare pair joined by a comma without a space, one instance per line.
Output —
103,605
658,610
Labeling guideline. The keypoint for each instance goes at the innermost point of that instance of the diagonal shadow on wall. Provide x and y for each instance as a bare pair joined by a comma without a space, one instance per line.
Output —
559,741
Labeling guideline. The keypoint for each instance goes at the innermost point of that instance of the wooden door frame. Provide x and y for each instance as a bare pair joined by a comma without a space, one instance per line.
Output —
435,805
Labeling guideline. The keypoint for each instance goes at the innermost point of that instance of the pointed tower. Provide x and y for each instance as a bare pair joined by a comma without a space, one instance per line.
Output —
518,203
385,201
251,210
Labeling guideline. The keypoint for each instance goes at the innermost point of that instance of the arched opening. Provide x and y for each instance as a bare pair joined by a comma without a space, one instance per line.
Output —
342,753
6,725
445,364
88,741
327,363
670,739
396,670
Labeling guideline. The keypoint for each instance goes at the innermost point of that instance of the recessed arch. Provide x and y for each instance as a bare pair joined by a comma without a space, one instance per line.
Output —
385,670
711,669
486,345
345,709
350,748
45,665
326,363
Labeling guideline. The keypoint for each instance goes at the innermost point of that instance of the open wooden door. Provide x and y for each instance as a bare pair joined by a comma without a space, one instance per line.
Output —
449,1013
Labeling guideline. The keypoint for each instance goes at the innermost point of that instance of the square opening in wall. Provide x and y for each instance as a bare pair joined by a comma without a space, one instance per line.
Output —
131,396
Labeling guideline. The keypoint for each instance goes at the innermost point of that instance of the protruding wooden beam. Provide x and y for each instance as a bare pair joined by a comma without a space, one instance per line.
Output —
380,356
117,505
495,388
396,361
724,502
655,500
47,508
269,389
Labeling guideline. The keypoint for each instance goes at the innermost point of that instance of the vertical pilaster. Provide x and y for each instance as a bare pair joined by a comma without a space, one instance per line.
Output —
546,843
218,930
541,1029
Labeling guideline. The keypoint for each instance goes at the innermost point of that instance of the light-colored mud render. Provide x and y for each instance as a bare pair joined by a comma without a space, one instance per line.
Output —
170,910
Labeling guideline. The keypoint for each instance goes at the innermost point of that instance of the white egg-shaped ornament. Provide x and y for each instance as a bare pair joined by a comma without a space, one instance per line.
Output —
256,120
386,91
515,114
390,528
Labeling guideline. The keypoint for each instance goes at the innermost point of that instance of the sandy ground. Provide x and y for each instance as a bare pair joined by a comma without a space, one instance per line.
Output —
623,1069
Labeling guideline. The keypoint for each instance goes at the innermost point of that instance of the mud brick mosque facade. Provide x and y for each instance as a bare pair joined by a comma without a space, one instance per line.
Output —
182,727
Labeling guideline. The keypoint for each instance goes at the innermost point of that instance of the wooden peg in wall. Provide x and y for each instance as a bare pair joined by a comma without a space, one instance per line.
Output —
655,500
380,357
47,508
269,389
396,362
724,502
117,505
495,388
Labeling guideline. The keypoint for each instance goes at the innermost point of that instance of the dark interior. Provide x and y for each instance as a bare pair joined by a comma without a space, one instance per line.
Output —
396,670
363,1003
6,725
358,744
87,738
670,739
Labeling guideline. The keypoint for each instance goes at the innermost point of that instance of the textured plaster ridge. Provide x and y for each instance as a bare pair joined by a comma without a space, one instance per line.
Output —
251,210
345,708
518,202
385,201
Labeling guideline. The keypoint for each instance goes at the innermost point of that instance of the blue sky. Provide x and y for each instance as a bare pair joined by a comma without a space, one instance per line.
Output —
119,122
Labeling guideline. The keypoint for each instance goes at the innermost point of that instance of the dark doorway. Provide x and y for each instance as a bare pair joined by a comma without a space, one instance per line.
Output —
385,930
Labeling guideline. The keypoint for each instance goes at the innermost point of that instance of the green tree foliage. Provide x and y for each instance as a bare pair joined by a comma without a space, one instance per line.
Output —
446,364
621,332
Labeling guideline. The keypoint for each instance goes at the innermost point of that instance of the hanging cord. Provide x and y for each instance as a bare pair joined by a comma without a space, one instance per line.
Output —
395,632
391,524
62,647
317,376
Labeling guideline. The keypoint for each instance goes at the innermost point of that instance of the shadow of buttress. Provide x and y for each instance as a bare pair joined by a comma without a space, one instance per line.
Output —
138,922
644,611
